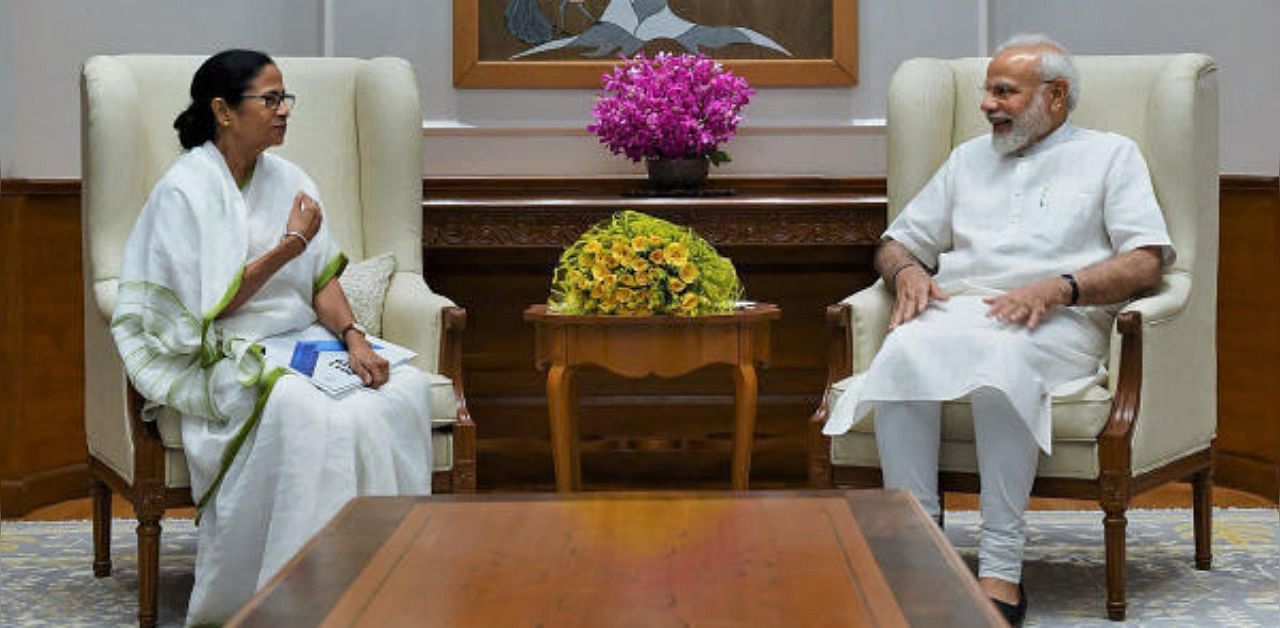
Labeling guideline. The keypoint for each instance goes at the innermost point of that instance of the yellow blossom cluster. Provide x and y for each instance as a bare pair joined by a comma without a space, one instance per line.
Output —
637,265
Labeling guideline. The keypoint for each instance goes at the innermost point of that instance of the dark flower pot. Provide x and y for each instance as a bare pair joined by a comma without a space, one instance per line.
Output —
666,173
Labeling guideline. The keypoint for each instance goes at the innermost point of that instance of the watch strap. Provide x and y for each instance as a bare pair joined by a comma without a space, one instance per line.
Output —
1075,288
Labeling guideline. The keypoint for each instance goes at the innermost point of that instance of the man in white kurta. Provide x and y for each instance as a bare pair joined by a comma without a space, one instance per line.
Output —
1035,234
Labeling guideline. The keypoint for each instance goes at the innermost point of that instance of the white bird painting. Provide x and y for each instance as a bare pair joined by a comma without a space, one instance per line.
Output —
624,27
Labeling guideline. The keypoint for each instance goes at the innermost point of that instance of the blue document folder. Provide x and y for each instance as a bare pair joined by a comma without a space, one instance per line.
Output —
306,351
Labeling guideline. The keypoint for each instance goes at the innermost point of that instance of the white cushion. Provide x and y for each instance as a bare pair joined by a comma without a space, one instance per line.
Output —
442,450
1070,459
177,476
1076,418
444,411
444,402
365,284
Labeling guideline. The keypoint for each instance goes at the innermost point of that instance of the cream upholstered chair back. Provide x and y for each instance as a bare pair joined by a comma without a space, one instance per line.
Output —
1168,105
355,130
347,132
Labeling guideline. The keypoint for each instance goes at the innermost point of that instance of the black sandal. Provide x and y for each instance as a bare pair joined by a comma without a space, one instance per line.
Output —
1011,613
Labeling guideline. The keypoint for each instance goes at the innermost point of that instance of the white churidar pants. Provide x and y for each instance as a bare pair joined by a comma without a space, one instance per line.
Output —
908,436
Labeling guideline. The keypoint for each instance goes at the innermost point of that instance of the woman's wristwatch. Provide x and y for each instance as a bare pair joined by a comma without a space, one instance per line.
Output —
350,326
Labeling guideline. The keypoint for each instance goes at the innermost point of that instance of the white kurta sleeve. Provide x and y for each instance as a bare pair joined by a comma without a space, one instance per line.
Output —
324,255
1132,216
924,226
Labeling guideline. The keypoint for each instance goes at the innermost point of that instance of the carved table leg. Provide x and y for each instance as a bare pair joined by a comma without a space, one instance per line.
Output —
100,494
575,436
562,446
744,380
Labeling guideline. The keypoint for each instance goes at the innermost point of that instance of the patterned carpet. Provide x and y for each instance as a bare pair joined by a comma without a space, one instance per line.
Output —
46,577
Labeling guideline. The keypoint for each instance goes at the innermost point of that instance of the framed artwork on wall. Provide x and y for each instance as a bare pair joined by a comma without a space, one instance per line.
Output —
571,43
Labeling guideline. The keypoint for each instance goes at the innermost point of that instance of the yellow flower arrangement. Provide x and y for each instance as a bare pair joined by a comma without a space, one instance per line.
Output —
636,265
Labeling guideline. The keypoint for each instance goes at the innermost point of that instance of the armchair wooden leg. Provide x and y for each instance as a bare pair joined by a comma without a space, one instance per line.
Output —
148,565
1114,523
100,495
942,506
820,471
464,477
464,461
1202,515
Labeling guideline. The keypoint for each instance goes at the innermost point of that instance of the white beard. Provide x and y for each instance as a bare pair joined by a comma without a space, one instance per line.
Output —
1028,127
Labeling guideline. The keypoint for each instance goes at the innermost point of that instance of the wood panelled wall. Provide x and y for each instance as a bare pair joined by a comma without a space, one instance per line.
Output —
1248,447
490,245
43,458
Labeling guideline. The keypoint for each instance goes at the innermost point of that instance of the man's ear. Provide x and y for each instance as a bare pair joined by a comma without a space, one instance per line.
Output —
1058,89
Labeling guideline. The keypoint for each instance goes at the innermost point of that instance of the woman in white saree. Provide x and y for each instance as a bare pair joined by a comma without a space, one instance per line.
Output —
231,249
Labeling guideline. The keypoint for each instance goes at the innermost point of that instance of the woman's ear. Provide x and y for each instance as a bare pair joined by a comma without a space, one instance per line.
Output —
221,111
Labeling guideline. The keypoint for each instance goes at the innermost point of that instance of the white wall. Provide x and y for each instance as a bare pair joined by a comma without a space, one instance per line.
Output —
6,95
1240,35
48,40
830,131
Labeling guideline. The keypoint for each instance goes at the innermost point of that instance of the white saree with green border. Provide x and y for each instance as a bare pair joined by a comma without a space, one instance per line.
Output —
271,457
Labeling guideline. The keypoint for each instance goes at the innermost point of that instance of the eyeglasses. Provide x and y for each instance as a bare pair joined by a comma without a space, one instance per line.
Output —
273,100
1005,91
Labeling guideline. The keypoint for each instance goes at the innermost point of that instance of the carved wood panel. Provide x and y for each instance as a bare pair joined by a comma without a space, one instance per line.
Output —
491,246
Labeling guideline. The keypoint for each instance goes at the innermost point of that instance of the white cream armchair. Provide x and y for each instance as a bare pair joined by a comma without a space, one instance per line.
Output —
357,132
1155,420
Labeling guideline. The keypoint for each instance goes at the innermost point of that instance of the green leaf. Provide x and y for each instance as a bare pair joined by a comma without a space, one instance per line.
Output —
718,157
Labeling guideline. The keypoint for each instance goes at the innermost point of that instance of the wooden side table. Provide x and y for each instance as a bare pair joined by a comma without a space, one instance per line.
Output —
640,346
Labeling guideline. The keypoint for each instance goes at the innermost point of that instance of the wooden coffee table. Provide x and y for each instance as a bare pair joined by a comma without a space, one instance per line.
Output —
805,558
642,346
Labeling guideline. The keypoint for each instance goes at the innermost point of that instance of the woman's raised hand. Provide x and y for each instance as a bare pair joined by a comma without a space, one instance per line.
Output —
305,217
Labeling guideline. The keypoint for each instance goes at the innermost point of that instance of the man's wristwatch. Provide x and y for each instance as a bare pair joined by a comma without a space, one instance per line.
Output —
350,326
1075,288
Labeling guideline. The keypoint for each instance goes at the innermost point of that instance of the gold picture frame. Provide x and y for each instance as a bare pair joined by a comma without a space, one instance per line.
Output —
488,52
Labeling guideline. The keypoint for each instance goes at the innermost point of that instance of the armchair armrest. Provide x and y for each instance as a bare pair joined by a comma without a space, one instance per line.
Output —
414,316
1167,301
869,312
432,325
1163,379
1162,306
856,328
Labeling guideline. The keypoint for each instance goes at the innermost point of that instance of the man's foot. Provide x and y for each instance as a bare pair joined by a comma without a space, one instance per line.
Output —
1013,613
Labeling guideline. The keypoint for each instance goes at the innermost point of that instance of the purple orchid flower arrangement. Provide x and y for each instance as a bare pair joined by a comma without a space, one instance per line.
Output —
670,106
